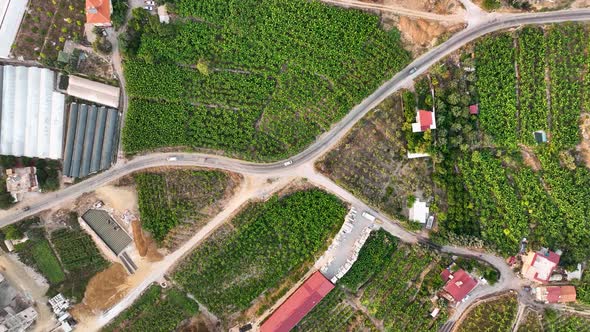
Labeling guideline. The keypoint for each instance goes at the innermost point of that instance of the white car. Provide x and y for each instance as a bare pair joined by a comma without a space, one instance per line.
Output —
288,163
172,159
150,8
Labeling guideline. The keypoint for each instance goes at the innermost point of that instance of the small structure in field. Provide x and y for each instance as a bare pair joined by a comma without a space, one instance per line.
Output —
163,14
540,136
474,109
95,92
458,285
538,266
555,294
424,120
20,181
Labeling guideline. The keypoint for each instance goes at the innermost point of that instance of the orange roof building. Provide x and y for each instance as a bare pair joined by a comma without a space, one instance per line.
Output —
538,266
556,294
98,12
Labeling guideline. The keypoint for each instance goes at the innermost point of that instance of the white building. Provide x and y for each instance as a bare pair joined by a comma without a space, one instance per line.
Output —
419,212
32,121
11,15
93,91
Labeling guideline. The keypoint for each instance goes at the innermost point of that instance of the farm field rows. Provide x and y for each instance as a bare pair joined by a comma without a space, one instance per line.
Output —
259,249
259,86
156,310
494,315
175,204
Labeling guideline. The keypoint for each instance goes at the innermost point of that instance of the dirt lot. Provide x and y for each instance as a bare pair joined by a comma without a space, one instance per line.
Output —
444,7
421,34
584,147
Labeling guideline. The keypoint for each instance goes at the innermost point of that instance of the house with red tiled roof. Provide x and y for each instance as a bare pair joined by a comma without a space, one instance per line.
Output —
98,12
424,120
299,304
538,266
556,294
458,285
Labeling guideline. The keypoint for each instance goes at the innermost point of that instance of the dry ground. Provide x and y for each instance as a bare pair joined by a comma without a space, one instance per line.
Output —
584,147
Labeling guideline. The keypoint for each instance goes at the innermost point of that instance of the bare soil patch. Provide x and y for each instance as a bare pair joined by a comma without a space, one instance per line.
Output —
584,146
529,158
104,290
146,246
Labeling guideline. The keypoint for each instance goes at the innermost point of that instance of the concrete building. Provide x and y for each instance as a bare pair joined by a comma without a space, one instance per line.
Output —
20,181
538,266
95,92
91,140
419,212
163,14
32,113
16,311
11,15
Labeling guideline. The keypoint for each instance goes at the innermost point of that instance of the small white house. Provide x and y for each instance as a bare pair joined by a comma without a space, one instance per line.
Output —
419,212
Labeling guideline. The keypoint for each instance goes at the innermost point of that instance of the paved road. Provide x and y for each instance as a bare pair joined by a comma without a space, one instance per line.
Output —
326,141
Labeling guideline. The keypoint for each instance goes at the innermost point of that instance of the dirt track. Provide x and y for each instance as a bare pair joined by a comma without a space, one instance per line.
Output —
458,17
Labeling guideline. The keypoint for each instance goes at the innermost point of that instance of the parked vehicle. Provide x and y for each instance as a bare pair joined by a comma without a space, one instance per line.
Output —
287,163
172,159
369,216
413,70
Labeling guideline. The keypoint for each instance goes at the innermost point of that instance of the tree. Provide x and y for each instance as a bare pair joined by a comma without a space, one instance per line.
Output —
12,232
203,67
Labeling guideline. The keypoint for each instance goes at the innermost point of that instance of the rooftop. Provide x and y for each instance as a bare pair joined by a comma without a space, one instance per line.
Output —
459,285
424,120
307,296
98,11
556,294
538,266
419,212
107,229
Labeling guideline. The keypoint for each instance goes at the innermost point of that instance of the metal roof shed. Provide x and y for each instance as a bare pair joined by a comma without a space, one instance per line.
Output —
88,141
109,139
93,91
115,237
79,141
69,149
11,15
98,138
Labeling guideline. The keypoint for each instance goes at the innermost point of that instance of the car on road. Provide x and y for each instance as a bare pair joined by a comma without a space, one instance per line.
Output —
413,70
26,208
369,216
288,163
172,159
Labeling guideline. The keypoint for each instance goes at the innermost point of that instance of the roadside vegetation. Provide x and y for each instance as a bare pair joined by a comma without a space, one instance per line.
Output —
176,203
530,322
261,85
554,321
156,310
259,249
493,315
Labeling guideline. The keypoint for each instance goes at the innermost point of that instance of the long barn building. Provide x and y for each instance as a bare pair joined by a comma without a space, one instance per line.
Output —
91,140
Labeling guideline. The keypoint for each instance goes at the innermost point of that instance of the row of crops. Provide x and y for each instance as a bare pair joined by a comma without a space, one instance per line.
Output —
179,197
261,248
495,315
257,79
546,91
156,310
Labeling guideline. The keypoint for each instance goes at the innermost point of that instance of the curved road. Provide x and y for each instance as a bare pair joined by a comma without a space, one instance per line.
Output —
324,142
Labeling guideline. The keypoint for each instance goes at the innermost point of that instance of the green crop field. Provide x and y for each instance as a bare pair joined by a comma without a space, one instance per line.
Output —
491,316
77,250
259,249
156,310
256,79
47,262
176,203
530,322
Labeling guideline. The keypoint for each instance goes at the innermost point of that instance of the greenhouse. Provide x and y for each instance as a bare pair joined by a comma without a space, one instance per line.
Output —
32,120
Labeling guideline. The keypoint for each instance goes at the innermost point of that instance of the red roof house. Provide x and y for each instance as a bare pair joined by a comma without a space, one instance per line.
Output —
98,12
474,109
458,286
538,266
307,296
424,120
445,275
556,294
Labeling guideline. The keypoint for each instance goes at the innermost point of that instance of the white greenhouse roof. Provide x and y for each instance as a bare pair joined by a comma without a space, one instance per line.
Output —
93,91
11,15
32,121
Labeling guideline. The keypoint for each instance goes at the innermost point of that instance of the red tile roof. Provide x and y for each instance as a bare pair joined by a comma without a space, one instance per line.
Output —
561,294
474,109
98,11
307,296
546,269
460,285
425,119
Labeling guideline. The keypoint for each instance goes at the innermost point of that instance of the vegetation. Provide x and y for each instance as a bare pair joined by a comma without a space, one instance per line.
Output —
156,310
553,321
80,258
530,322
119,15
371,161
45,28
46,262
495,315
262,245
174,202
260,85
393,283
